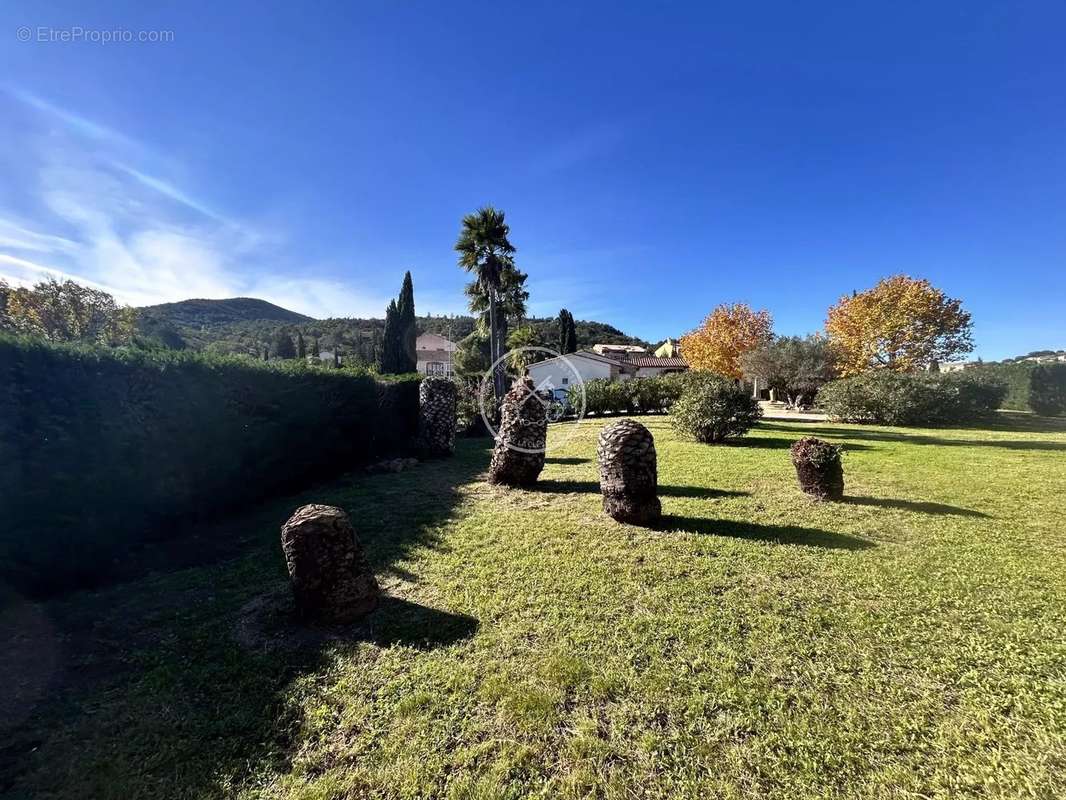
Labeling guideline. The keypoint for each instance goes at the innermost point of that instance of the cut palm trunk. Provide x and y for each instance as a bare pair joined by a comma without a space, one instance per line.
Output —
437,399
518,456
818,468
629,474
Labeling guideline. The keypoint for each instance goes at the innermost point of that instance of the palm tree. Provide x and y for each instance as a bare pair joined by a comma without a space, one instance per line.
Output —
511,297
485,251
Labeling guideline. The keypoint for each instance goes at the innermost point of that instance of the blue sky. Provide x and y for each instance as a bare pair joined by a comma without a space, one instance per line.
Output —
654,160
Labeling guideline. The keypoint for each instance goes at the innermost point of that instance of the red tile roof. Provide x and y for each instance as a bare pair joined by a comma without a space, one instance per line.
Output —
655,361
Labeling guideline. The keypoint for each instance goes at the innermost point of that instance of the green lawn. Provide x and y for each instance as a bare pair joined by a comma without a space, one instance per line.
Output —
910,642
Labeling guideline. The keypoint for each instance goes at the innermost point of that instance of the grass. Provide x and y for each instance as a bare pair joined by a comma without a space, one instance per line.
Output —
906,643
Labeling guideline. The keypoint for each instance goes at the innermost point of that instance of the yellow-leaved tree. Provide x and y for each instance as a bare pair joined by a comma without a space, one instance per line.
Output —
729,332
901,324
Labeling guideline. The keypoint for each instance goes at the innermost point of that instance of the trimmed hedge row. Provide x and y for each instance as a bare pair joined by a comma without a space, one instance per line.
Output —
896,398
101,449
1040,388
633,396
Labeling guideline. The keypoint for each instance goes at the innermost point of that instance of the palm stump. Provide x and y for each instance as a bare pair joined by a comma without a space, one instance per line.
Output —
818,468
437,399
331,580
628,473
518,456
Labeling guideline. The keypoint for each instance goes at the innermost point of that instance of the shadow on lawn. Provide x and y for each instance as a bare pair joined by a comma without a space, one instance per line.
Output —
776,534
566,460
158,659
909,505
866,434
780,443
593,487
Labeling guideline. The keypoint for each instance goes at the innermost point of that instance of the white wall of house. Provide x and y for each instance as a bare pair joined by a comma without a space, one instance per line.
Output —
434,355
555,373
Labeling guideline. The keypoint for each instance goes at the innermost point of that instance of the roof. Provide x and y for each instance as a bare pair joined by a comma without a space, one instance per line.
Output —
432,341
618,362
625,348
656,361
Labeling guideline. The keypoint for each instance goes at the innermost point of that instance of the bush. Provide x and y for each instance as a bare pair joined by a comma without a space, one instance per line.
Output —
895,398
1015,376
633,396
712,408
818,468
1047,389
100,449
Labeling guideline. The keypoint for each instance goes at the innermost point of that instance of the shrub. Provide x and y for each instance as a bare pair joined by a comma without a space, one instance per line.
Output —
894,398
818,468
1047,389
1016,377
633,396
712,408
102,449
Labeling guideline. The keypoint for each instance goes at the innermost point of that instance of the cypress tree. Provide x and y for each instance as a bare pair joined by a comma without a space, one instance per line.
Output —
283,347
301,347
389,341
407,333
567,332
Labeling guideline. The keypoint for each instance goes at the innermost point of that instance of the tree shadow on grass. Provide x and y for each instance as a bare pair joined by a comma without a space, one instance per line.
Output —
157,659
909,505
400,621
775,534
866,434
593,487
566,460
779,443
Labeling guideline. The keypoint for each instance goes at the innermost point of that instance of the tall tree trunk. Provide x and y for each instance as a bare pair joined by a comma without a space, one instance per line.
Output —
494,348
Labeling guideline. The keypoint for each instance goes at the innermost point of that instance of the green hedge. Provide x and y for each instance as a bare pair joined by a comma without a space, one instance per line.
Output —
1015,377
895,398
102,449
1047,389
1040,388
633,396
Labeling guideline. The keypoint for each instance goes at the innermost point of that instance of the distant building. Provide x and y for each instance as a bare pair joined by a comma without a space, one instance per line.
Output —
562,372
435,355
1044,358
669,349
618,350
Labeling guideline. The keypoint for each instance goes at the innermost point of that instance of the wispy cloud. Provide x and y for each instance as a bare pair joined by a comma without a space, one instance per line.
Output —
82,125
97,215
588,143
173,192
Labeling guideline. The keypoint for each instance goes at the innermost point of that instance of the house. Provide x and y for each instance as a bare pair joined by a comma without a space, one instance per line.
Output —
669,349
651,366
618,350
562,372
434,355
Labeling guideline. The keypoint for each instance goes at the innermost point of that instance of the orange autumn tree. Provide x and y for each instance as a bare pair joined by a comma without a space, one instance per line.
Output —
901,324
729,332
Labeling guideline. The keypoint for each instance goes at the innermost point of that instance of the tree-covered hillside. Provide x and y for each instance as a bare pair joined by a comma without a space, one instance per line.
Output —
249,326
213,313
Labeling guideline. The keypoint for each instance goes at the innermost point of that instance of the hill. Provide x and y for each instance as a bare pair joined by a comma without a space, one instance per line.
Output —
247,325
214,313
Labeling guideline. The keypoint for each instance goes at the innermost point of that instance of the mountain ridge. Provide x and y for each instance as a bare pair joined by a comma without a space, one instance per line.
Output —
247,325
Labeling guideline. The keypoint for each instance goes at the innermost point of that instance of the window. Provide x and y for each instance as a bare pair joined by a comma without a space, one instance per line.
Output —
566,381
434,367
